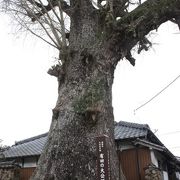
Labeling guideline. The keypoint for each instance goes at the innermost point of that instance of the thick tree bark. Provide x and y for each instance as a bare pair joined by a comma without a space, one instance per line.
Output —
84,106
83,112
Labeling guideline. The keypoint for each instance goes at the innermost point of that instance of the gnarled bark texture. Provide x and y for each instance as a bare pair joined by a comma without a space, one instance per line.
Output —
84,106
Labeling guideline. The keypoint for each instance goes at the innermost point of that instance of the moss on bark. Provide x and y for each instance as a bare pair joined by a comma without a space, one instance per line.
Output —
93,94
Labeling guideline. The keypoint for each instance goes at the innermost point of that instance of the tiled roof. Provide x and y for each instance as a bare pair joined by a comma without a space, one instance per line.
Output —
126,130
33,146
28,147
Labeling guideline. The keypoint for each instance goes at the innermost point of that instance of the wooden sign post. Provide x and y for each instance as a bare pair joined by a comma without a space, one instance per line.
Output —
103,158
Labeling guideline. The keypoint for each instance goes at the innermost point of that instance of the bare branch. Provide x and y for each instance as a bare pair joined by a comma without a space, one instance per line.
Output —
52,3
45,29
52,27
50,22
62,25
35,34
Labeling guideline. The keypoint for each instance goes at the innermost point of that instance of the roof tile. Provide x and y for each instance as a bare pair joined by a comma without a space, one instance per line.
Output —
33,146
126,130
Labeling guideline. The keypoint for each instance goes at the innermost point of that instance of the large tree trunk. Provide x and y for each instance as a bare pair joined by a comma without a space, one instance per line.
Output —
83,110
84,106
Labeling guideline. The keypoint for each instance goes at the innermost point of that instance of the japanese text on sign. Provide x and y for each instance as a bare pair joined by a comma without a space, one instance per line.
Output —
103,166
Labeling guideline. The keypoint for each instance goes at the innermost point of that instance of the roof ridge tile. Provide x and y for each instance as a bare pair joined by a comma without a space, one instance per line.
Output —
30,139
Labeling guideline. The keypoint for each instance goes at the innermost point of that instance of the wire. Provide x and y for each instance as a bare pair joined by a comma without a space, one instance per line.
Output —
169,133
157,94
176,147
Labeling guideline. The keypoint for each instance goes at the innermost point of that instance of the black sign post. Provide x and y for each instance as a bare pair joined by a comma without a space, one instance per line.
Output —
103,158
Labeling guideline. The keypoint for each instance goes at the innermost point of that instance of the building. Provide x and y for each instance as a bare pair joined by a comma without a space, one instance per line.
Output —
138,148
24,154
141,153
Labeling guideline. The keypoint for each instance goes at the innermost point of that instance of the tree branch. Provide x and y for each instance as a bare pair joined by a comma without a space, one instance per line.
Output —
120,7
46,8
146,17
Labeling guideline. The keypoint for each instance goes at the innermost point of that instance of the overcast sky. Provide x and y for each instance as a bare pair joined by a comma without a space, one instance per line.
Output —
28,93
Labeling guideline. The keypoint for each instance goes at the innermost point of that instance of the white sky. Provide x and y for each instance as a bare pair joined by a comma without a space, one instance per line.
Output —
28,93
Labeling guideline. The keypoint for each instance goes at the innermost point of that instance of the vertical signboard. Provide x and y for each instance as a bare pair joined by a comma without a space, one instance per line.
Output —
103,159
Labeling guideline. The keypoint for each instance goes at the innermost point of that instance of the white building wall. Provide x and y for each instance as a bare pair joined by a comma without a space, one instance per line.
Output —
178,175
153,158
30,162
155,162
165,175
